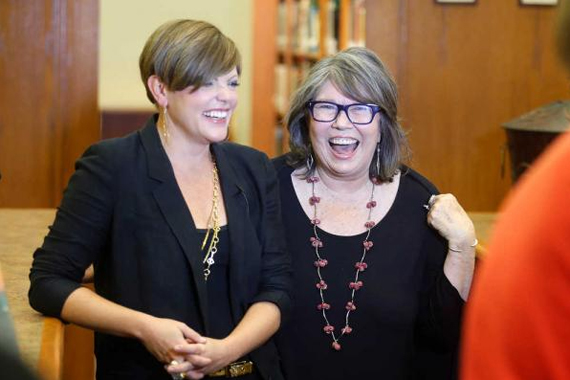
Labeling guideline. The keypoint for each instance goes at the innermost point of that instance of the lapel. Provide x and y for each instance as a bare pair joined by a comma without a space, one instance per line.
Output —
236,204
174,209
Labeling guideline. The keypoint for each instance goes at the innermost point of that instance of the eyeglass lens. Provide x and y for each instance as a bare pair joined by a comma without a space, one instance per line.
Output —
357,113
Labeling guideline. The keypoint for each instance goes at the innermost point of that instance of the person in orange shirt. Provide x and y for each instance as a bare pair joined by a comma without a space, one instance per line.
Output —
517,325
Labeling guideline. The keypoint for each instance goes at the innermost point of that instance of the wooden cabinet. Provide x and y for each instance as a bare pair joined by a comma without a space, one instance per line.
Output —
286,46
48,103
462,71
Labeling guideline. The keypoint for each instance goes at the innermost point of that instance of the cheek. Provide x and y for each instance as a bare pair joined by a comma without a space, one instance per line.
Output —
234,100
318,131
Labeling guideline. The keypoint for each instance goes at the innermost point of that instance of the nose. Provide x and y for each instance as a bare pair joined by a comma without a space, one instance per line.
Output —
341,121
224,93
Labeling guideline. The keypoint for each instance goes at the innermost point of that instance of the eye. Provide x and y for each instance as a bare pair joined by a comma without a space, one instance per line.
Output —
234,84
209,83
360,108
325,106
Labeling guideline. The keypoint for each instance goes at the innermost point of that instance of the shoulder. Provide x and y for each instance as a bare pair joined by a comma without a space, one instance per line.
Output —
243,160
282,166
417,182
280,162
241,152
111,156
114,146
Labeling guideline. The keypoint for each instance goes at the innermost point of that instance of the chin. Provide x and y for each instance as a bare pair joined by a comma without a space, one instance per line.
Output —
220,136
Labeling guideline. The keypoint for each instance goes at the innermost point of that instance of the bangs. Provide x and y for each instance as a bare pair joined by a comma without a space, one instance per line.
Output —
353,87
215,59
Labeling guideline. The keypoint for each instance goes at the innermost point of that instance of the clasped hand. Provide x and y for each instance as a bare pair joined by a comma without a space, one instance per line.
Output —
161,335
200,359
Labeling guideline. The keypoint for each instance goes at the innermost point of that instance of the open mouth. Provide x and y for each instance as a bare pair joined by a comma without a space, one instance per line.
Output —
216,115
343,145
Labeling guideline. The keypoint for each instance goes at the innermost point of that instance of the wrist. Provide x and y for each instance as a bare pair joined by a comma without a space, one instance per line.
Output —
232,351
141,325
462,245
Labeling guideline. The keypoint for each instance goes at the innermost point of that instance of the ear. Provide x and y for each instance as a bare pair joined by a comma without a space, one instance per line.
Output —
158,90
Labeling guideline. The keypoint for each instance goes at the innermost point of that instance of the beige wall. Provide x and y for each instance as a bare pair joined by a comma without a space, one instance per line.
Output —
124,27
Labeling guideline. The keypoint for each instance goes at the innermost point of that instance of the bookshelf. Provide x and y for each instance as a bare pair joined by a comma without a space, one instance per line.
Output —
302,32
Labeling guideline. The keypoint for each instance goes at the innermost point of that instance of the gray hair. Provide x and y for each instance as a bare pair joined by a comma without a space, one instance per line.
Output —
186,53
358,74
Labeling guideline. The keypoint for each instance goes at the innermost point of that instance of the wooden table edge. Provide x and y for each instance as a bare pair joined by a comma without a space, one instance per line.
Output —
50,361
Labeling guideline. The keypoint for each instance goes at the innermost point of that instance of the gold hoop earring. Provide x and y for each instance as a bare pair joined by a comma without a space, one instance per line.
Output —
162,126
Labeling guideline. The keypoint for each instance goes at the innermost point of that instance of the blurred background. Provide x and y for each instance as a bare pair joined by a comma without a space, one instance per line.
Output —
70,77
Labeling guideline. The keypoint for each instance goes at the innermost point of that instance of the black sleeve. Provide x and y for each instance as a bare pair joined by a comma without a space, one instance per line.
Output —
441,305
276,263
77,235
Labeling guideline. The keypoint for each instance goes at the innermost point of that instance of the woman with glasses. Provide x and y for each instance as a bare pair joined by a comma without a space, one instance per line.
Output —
382,264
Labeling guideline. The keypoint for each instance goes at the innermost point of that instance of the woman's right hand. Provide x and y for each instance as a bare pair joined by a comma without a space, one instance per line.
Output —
160,335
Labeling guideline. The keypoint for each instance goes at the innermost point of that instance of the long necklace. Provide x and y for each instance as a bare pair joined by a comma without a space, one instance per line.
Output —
214,226
321,263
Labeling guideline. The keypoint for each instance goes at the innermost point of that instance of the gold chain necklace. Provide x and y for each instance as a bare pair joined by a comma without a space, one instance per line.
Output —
214,226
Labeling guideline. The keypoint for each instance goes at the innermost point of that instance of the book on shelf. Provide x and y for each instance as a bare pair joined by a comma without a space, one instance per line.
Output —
331,35
305,27
281,88
308,30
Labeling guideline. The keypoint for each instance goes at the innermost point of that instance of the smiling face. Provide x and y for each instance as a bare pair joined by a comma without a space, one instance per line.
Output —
204,115
343,150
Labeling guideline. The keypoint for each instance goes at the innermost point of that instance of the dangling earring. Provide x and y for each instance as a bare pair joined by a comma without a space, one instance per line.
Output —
163,127
309,163
378,159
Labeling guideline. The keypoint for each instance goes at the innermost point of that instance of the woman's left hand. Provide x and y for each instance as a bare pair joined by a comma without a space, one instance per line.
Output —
452,222
216,350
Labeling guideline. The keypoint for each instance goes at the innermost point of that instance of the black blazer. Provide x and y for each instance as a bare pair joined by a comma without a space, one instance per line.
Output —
124,212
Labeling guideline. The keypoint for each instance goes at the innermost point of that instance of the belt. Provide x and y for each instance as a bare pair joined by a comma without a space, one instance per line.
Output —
236,369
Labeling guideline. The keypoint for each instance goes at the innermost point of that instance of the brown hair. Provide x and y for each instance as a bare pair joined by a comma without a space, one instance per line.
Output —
186,53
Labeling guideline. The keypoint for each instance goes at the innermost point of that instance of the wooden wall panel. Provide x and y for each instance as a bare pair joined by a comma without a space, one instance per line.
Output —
263,114
118,123
48,103
462,71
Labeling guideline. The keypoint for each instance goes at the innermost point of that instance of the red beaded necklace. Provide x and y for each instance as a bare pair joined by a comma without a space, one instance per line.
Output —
321,263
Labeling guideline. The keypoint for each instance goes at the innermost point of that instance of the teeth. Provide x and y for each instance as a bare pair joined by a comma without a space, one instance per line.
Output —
343,141
216,114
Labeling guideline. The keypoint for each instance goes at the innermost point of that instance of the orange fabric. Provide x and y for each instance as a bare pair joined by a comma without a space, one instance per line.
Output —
517,323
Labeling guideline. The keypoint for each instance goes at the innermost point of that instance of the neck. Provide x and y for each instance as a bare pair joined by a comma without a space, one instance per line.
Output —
180,148
344,186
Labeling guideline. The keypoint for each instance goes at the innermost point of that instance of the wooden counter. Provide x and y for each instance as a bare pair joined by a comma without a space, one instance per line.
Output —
21,232
41,340
483,222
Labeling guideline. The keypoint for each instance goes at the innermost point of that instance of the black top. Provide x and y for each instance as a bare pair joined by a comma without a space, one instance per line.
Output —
221,322
124,212
406,301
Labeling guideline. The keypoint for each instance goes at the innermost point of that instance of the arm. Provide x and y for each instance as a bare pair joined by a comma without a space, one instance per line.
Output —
447,274
77,238
451,221
85,308
259,323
